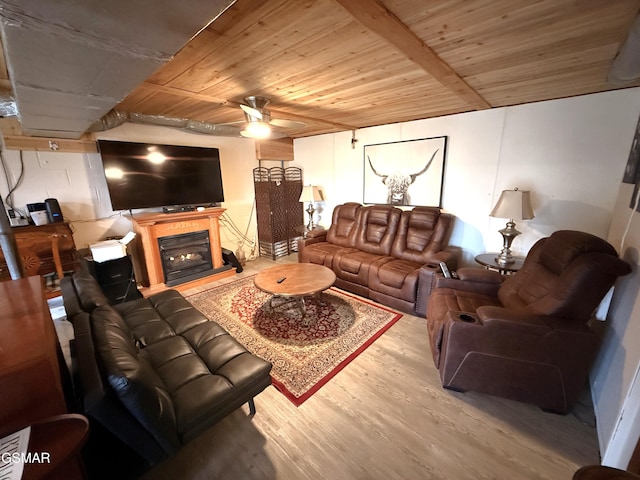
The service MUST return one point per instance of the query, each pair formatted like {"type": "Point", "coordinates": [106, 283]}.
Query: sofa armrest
{"type": "Point", "coordinates": [480, 275]}
{"type": "Point", "coordinates": [318, 233]}
{"type": "Point", "coordinates": [313, 236]}
{"type": "Point", "coordinates": [426, 282]}
{"type": "Point", "coordinates": [446, 256]}
{"type": "Point", "coordinates": [514, 320]}
{"type": "Point", "coordinates": [485, 282]}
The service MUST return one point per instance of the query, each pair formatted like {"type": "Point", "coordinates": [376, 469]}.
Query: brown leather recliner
{"type": "Point", "coordinates": [527, 336]}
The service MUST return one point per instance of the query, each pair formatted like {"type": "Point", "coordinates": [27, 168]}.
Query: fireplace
{"type": "Point", "coordinates": [172, 258]}
{"type": "Point", "coordinates": [185, 257]}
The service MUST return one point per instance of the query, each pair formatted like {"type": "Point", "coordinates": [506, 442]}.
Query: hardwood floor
{"type": "Point", "coordinates": [386, 416]}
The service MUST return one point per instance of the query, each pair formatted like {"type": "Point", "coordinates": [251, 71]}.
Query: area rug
{"type": "Point", "coordinates": [305, 353]}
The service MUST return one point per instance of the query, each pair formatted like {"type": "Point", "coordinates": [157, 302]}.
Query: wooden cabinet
{"type": "Point", "coordinates": [278, 209]}
{"type": "Point", "coordinates": [33, 379]}
{"type": "Point", "coordinates": [38, 247]}
{"type": "Point", "coordinates": [279, 150]}
{"type": "Point", "coordinates": [30, 374]}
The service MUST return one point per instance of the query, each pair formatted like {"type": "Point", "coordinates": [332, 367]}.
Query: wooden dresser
{"type": "Point", "coordinates": [38, 247]}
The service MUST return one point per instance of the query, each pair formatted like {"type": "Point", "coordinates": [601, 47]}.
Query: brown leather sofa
{"type": "Point", "coordinates": [155, 372]}
{"type": "Point", "coordinates": [383, 253]}
{"type": "Point", "coordinates": [527, 336]}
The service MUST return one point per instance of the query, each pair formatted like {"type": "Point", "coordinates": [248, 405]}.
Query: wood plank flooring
{"type": "Point", "coordinates": [386, 416]}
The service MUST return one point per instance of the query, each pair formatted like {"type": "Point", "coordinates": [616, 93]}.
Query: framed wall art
{"type": "Point", "coordinates": [632, 169]}
{"type": "Point", "coordinates": [406, 173]}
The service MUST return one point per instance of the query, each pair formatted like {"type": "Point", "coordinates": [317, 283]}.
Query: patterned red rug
{"type": "Point", "coordinates": [305, 355]}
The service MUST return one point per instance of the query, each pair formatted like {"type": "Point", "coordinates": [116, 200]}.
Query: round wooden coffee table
{"type": "Point", "coordinates": [292, 282]}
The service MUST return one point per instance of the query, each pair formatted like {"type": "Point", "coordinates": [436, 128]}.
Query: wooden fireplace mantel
{"type": "Point", "coordinates": [153, 225]}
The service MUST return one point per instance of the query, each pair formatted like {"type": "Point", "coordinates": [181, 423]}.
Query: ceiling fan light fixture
{"type": "Point", "coordinates": [256, 129]}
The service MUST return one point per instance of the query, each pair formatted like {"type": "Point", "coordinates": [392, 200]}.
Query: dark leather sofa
{"type": "Point", "coordinates": [528, 336]}
{"type": "Point", "coordinates": [382, 252]}
{"type": "Point", "coordinates": [155, 372]}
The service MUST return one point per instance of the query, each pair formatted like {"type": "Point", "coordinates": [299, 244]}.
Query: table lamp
{"type": "Point", "coordinates": [311, 194]}
{"type": "Point", "coordinates": [515, 205]}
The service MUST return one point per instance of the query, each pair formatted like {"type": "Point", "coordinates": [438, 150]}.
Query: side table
{"type": "Point", "coordinates": [116, 277]}
{"type": "Point", "coordinates": [488, 260]}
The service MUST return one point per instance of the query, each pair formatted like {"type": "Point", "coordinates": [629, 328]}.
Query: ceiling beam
{"type": "Point", "coordinates": [154, 87]}
{"type": "Point", "coordinates": [378, 19]}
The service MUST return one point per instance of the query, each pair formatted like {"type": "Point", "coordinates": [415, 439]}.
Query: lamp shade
{"type": "Point", "coordinates": [513, 204]}
{"type": "Point", "coordinates": [256, 129]}
{"type": "Point", "coordinates": [312, 193]}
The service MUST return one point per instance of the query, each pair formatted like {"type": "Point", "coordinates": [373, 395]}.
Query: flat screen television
{"type": "Point", "coordinates": [142, 175]}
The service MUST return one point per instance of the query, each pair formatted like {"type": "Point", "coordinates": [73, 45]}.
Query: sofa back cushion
{"type": "Point", "coordinates": [422, 233]}
{"type": "Point", "coordinates": [130, 373]}
{"type": "Point", "coordinates": [343, 225]}
{"type": "Point", "coordinates": [565, 275]}
{"type": "Point", "coordinates": [377, 228]}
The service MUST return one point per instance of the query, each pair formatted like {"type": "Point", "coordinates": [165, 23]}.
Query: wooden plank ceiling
{"type": "Point", "coordinates": [345, 64]}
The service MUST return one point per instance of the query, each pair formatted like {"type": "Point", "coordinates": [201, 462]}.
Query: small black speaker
{"type": "Point", "coordinates": [229, 258]}
{"type": "Point", "coordinates": [36, 207]}
{"type": "Point", "coordinates": [53, 210]}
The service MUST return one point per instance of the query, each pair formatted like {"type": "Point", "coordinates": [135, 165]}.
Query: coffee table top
{"type": "Point", "coordinates": [300, 279]}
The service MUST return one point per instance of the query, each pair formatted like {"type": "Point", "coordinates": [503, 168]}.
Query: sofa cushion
{"type": "Point", "coordinates": [132, 377]}
{"type": "Point", "coordinates": [397, 278]}
{"type": "Point", "coordinates": [343, 225]}
{"type": "Point", "coordinates": [572, 292]}
{"type": "Point", "coordinates": [377, 227]}
{"type": "Point", "coordinates": [203, 370]}
{"type": "Point", "coordinates": [422, 234]}
{"type": "Point", "coordinates": [564, 246]}
{"type": "Point", "coordinates": [322, 253]}
{"type": "Point", "coordinates": [159, 316]}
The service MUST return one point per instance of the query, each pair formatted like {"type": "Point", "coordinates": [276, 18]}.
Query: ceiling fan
{"type": "Point", "coordinates": [259, 119]}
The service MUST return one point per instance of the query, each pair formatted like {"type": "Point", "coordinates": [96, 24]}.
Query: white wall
{"type": "Point", "coordinates": [77, 181]}
{"type": "Point", "coordinates": [615, 385]}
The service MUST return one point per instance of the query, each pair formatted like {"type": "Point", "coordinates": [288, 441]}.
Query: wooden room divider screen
{"type": "Point", "coordinates": [278, 209]}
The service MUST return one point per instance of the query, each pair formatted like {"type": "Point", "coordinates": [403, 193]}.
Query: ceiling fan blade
{"type": "Point", "coordinates": [280, 122]}
{"type": "Point", "coordinates": [277, 135]}
{"type": "Point", "coordinates": [254, 112]}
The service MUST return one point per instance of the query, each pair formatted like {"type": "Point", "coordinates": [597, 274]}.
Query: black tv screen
{"type": "Point", "coordinates": [142, 175]}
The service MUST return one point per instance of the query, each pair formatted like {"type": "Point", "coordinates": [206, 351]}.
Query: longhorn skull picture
{"type": "Point", "coordinates": [396, 168]}
{"type": "Point", "coordinates": [398, 183]}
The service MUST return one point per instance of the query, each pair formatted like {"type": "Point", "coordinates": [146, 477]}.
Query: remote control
{"type": "Point", "coordinates": [445, 270]}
